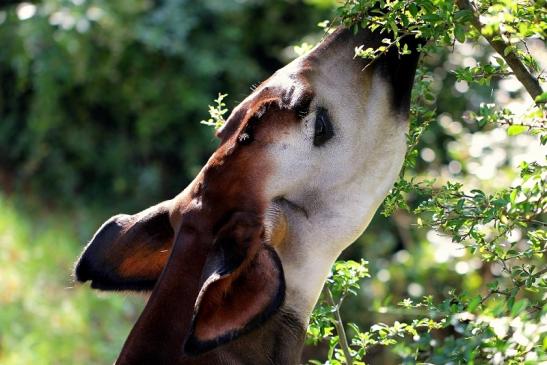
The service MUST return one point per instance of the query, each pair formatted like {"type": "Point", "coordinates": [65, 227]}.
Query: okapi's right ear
{"type": "Point", "coordinates": [128, 252]}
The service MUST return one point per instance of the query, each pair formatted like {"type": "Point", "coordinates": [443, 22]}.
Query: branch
{"type": "Point", "coordinates": [339, 324]}
{"type": "Point", "coordinates": [540, 273]}
{"type": "Point", "coordinates": [521, 72]}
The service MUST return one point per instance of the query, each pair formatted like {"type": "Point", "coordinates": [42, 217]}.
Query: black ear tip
{"type": "Point", "coordinates": [194, 347]}
{"type": "Point", "coordinates": [85, 271]}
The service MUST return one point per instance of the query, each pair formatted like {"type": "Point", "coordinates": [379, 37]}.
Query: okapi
{"type": "Point", "coordinates": [236, 262]}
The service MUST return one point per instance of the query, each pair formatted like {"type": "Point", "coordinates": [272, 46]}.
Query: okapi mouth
{"type": "Point", "coordinates": [276, 220]}
{"type": "Point", "coordinates": [290, 205]}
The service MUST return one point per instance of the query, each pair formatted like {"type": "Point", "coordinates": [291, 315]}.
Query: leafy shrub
{"type": "Point", "coordinates": [503, 320]}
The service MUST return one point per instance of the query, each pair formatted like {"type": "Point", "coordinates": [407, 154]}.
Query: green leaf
{"type": "Point", "coordinates": [463, 15]}
{"type": "Point", "coordinates": [519, 306]}
{"type": "Point", "coordinates": [515, 130]}
{"type": "Point", "coordinates": [459, 33]}
{"type": "Point", "coordinates": [474, 303]}
{"type": "Point", "coordinates": [413, 9]}
{"type": "Point", "coordinates": [508, 50]}
{"type": "Point", "coordinates": [541, 98]}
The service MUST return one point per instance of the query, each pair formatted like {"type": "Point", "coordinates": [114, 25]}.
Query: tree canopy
{"type": "Point", "coordinates": [499, 220]}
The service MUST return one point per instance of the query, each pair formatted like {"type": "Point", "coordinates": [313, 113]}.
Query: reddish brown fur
{"type": "Point", "coordinates": [240, 288]}
{"type": "Point", "coordinates": [231, 181]}
{"type": "Point", "coordinates": [144, 262]}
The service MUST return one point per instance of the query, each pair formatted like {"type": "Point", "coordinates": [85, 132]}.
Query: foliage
{"type": "Point", "coordinates": [216, 113]}
{"type": "Point", "coordinates": [123, 83]}
{"type": "Point", "coordinates": [504, 320]}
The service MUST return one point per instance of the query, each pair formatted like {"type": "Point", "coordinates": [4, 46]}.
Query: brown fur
{"type": "Point", "coordinates": [145, 262]}
{"type": "Point", "coordinates": [230, 181]}
{"type": "Point", "coordinates": [232, 302]}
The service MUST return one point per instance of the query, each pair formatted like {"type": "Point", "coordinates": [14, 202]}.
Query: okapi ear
{"type": "Point", "coordinates": [128, 252]}
{"type": "Point", "coordinates": [243, 286]}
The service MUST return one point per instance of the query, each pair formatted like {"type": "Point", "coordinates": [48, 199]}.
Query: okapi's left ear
{"type": "Point", "coordinates": [243, 286]}
{"type": "Point", "coordinates": [128, 252]}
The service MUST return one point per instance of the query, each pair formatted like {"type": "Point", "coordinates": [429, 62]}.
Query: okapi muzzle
{"type": "Point", "coordinates": [236, 262]}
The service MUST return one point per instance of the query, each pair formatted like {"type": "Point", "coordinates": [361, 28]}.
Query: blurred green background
{"type": "Point", "coordinates": [100, 103]}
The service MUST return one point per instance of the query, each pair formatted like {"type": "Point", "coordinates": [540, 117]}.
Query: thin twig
{"type": "Point", "coordinates": [540, 273]}
{"type": "Point", "coordinates": [339, 324]}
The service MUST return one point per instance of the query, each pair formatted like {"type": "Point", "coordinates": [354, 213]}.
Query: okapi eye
{"type": "Point", "coordinates": [323, 127]}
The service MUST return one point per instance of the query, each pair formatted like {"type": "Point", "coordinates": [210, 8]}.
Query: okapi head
{"type": "Point", "coordinates": [237, 260]}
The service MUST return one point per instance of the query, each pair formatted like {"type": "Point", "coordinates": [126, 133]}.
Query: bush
{"type": "Point", "coordinates": [500, 315]}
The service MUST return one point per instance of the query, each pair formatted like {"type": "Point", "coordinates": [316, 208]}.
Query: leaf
{"type": "Point", "coordinates": [513, 196]}
{"type": "Point", "coordinates": [463, 15]}
{"type": "Point", "coordinates": [459, 33]}
{"type": "Point", "coordinates": [474, 303]}
{"type": "Point", "coordinates": [541, 98]}
{"type": "Point", "coordinates": [515, 130]}
{"type": "Point", "coordinates": [413, 9]}
{"type": "Point", "coordinates": [508, 50]}
{"type": "Point", "coordinates": [519, 306]}
{"type": "Point", "coordinates": [499, 60]}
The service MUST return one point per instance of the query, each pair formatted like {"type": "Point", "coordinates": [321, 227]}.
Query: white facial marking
{"type": "Point", "coordinates": [339, 184]}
